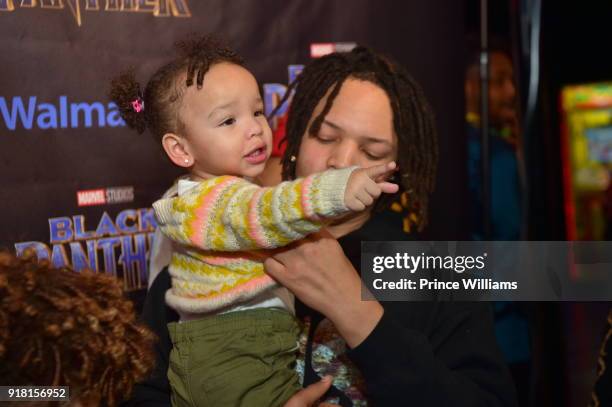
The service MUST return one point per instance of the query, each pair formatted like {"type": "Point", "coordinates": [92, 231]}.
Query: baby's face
{"type": "Point", "coordinates": [226, 131]}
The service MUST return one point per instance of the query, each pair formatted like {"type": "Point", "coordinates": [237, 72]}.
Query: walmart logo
{"type": "Point", "coordinates": [29, 113]}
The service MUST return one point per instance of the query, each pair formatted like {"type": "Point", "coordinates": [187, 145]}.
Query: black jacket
{"type": "Point", "coordinates": [419, 354]}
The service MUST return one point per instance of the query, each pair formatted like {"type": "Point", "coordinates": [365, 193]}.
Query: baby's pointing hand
{"type": "Point", "coordinates": [366, 184]}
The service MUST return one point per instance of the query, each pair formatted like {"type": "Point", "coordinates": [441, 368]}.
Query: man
{"type": "Point", "coordinates": [511, 325]}
{"type": "Point", "coordinates": [505, 185]}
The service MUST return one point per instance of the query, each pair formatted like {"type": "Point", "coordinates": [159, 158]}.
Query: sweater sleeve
{"type": "Point", "coordinates": [231, 214]}
{"type": "Point", "coordinates": [458, 364]}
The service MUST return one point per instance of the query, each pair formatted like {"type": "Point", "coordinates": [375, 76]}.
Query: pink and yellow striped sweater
{"type": "Point", "coordinates": [217, 225]}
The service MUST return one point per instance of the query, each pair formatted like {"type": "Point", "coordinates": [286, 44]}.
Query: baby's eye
{"type": "Point", "coordinates": [228, 122]}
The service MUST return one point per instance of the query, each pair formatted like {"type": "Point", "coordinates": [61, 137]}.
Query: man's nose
{"type": "Point", "coordinates": [342, 156]}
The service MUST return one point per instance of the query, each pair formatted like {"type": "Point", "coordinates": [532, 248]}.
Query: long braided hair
{"type": "Point", "coordinates": [63, 328]}
{"type": "Point", "coordinates": [413, 120]}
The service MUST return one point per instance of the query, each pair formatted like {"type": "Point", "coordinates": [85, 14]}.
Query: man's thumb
{"type": "Point", "coordinates": [316, 390]}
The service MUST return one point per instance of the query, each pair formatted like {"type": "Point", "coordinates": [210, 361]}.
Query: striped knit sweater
{"type": "Point", "coordinates": [219, 225]}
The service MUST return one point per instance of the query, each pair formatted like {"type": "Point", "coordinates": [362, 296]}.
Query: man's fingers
{"type": "Point", "coordinates": [323, 233]}
{"type": "Point", "coordinates": [308, 396]}
{"type": "Point", "coordinates": [263, 254]}
{"type": "Point", "coordinates": [274, 269]}
{"type": "Point", "coordinates": [378, 170]}
{"type": "Point", "coordinates": [316, 390]}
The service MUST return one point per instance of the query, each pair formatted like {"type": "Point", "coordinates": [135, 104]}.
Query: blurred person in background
{"type": "Point", "coordinates": [511, 324]}
{"type": "Point", "coordinates": [63, 328]}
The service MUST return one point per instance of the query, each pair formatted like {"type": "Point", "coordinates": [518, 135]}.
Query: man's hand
{"type": "Point", "coordinates": [310, 395]}
{"type": "Point", "coordinates": [316, 270]}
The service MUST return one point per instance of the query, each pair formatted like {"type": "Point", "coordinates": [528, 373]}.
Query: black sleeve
{"type": "Point", "coordinates": [602, 393]}
{"type": "Point", "coordinates": [155, 391]}
{"type": "Point", "coordinates": [452, 361]}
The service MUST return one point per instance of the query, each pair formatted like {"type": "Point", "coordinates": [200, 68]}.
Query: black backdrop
{"type": "Point", "coordinates": [56, 61]}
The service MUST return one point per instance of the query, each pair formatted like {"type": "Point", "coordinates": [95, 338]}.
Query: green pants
{"type": "Point", "coordinates": [244, 358]}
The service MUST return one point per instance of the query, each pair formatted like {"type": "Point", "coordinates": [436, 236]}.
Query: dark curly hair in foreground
{"type": "Point", "coordinates": [163, 93]}
{"type": "Point", "coordinates": [413, 119]}
{"type": "Point", "coordinates": [63, 328]}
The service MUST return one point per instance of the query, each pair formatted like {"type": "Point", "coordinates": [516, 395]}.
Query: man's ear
{"type": "Point", "coordinates": [177, 149]}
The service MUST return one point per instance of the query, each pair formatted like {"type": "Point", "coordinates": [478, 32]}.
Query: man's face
{"type": "Point", "coordinates": [502, 91]}
{"type": "Point", "coordinates": [357, 130]}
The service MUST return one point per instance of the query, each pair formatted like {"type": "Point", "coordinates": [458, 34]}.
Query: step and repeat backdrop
{"type": "Point", "coordinates": [77, 185]}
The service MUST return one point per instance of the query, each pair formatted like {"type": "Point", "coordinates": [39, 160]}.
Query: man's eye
{"type": "Point", "coordinates": [259, 113]}
{"type": "Point", "coordinates": [324, 140]}
{"type": "Point", "coordinates": [372, 156]}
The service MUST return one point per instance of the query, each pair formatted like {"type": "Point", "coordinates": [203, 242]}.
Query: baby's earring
{"type": "Point", "coordinates": [186, 160]}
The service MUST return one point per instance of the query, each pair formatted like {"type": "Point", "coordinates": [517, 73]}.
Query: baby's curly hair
{"type": "Point", "coordinates": [63, 328]}
{"type": "Point", "coordinates": [163, 93]}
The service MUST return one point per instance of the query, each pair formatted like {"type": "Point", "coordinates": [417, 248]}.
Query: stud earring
{"type": "Point", "coordinates": [186, 161]}
{"type": "Point", "coordinates": [292, 158]}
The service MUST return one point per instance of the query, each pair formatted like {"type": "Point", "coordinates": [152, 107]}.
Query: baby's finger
{"type": "Point", "coordinates": [387, 175]}
{"type": "Point", "coordinates": [388, 187]}
{"type": "Point", "coordinates": [373, 189]}
{"type": "Point", "coordinates": [365, 198]}
{"type": "Point", "coordinates": [355, 205]}
{"type": "Point", "coordinates": [378, 170]}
